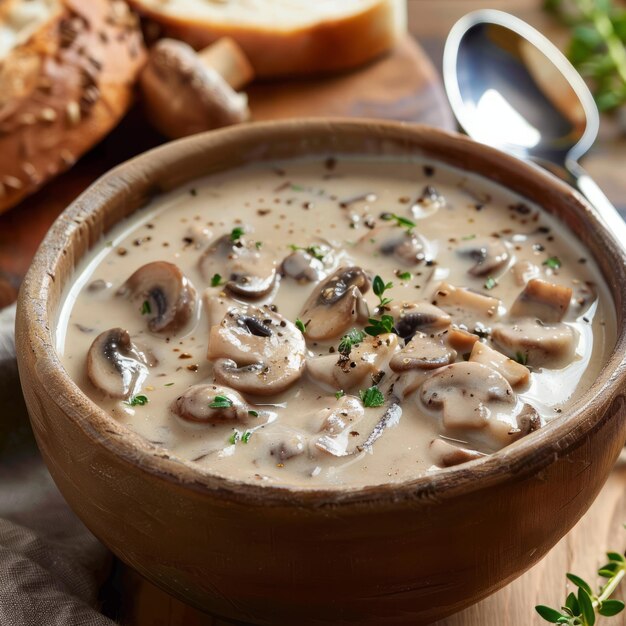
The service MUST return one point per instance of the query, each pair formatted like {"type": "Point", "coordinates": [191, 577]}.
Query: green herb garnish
{"type": "Point", "coordinates": [168, 384]}
{"type": "Point", "coordinates": [348, 341]}
{"type": "Point", "coordinates": [137, 400]}
{"type": "Point", "coordinates": [403, 222]}
{"type": "Point", "coordinates": [146, 309]}
{"type": "Point", "coordinates": [221, 402]}
{"type": "Point", "coordinates": [490, 283]}
{"type": "Point", "coordinates": [521, 357]}
{"type": "Point", "coordinates": [372, 397]}
{"type": "Point", "coordinates": [314, 251]}
{"type": "Point", "coordinates": [258, 244]}
{"type": "Point", "coordinates": [234, 438]}
{"type": "Point", "coordinates": [468, 237]}
{"type": "Point", "coordinates": [582, 608]}
{"type": "Point", "coordinates": [380, 286]}
{"type": "Point", "coordinates": [553, 262]}
{"type": "Point", "coordinates": [379, 326]}
{"type": "Point", "coordinates": [405, 276]}
{"type": "Point", "coordinates": [236, 233]}
{"type": "Point", "coordinates": [340, 394]}
{"type": "Point", "coordinates": [300, 325]}
{"type": "Point", "coordinates": [216, 280]}
{"type": "Point", "coordinates": [253, 413]}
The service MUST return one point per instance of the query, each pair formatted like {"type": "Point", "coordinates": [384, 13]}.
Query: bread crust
{"type": "Point", "coordinates": [63, 90]}
{"type": "Point", "coordinates": [324, 47]}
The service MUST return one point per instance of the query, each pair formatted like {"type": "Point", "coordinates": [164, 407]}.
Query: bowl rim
{"type": "Point", "coordinates": [528, 455]}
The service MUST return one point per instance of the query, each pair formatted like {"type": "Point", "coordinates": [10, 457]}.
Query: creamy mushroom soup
{"type": "Point", "coordinates": [337, 321]}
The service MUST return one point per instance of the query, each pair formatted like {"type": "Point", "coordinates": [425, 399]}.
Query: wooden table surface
{"type": "Point", "coordinates": [138, 603]}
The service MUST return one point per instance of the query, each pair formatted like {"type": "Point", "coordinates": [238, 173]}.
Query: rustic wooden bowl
{"type": "Point", "coordinates": [407, 554]}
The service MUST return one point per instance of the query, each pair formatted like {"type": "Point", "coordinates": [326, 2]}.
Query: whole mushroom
{"type": "Point", "coordinates": [167, 297]}
{"type": "Point", "coordinates": [336, 304]}
{"type": "Point", "coordinates": [115, 365]}
{"type": "Point", "coordinates": [185, 92]}
{"type": "Point", "coordinates": [255, 350]}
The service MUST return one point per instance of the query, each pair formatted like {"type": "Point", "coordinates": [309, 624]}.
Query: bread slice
{"type": "Point", "coordinates": [67, 70]}
{"type": "Point", "coordinates": [286, 37]}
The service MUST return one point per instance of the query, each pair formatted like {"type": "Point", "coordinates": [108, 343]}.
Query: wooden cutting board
{"type": "Point", "coordinates": [400, 86]}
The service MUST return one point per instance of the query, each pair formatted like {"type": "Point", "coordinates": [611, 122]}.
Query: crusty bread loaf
{"type": "Point", "coordinates": [286, 37]}
{"type": "Point", "coordinates": [67, 71]}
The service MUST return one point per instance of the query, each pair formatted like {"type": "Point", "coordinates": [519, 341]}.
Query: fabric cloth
{"type": "Point", "coordinates": [51, 566]}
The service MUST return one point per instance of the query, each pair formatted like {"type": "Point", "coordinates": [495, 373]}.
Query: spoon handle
{"type": "Point", "coordinates": [598, 200]}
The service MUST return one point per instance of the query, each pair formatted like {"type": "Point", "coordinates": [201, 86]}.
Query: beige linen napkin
{"type": "Point", "coordinates": [51, 566]}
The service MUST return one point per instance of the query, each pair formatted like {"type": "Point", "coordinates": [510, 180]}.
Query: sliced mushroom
{"type": "Point", "coordinates": [248, 269]}
{"type": "Point", "coordinates": [256, 350]}
{"type": "Point", "coordinates": [216, 306]}
{"type": "Point", "coordinates": [367, 363]}
{"type": "Point", "coordinates": [468, 395]}
{"type": "Point", "coordinates": [337, 304]}
{"type": "Point", "coordinates": [170, 296]}
{"type": "Point", "coordinates": [407, 248]}
{"type": "Point", "coordinates": [211, 404]}
{"type": "Point", "coordinates": [490, 256]}
{"type": "Point", "coordinates": [302, 266]}
{"type": "Point", "coordinates": [461, 340]}
{"type": "Point", "coordinates": [542, 300]}
{"type": "Point", "coordinates": [447, 455]}
{"type": "Point", "coordinates": [117, 366]}
{"type": "Point", "coordinates": [422, 352]}
{"type": "Point", "coordinates": [528, 421]}
{"type": "Point", "coordinates": [514, 372]}
{"type": "Point", "coordinates": [336, 423]}
{"type": "Point", "coordinates": [531, 342]}
{"type": "Point", "coordinates": [523, 271]}
{"type": "Point", "coordinates": [466, 306]}
{"type": "Point", "coordinates": [411, 317]}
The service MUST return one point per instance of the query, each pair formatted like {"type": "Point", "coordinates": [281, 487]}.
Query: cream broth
{"type": "Point", "coordinates": [266, 251]}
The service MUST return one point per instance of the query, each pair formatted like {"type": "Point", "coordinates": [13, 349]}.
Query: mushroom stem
{"type": "Point", "coordinates": [226, 57]}
{"type": "Point", "coordinates": [389, 418]}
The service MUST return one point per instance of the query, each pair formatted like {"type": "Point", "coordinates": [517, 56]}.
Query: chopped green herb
{"type": "Point", "coordinates": [340, 394]}
{"type": "Point", "coordinates": [315, 251]}
{"type": "Point", "coordinates": [246, 436]}
{"type": "Point", "coordinates": [216, 280]}
{"type": "Point", "coordinates": [300, 325]}
{"type": "Point", "coordinates": [238, 436]}
{"type": "Point", "coordinates": [400, 221]}
{"type": "Point", "coordinates": [168, 384]}
{"type": "Point", "coordinates": [553, 262]}
{"type": "Point", "coordinates": [109, 244]}
{"type": "Point", "coordinates": [234, 438]}
{"type": "Point", "coordinates": [405, 276]}
{"type": "Point", "coordinates": [137, 401]}
{"type": "Point", "coordinates": [490, 283]}
{"type": "Point", "coordinates": [381, 326]}
{"type": "Point", "coordinates": [221, 402]}
{"type": "Point", "coordinates": [468, 237]}
{"type": "Point", "coordinates": [146, 309]}
{"type": "Point", "coordinates": [380, 286]}
{"type": "Point", "coordinates": [372, 397]}
{"type": "Point", "coordinates": [258, 244]}
{"type": "Point", "coordinates": [353, 338]}
{"type": "Point", "coordinates": [521, 357]}
{"type": "Point", "coordinates": [236, 233]}
{"type": "Point", "coordinates": [253, 413]}
{"type": "Point", "coordinates": [296, 188]}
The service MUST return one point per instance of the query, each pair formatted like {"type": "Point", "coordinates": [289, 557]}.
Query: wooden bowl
{"type": "Point", "coordinates": [404, 554]}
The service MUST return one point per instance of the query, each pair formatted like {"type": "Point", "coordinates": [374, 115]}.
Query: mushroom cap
{"type": "Point", "coordinates": [183, 96]}
{"type": "Point", "coordinates": [467, 394]}
{"type": "Point", "coordinates": [422, 352]}
{"type": "Point", "coordinates": [170, 294]}
{"type": "Point", "coordinates": [490, 255]}
{"type": "Point", "coordinates": [195, 405]}
{"type": "Point", "coordinates": [249, 270]}
{"type": "Point", "coordinates": [552, 346]}
{"type": "Point", "coordinates": [256, 350]}
{"type": "Point", "coordinates": [367, 362]}
{"type": "Point", "coordinates": [408, 248]}
{"type": "Point", "coordinates": [410, 317]}
{"type": "Point", "coordinates": [542, 300]}
{"type": "Point", "coordinates": [115, 365]}
{"type": "Point", "coordinates": [337, 304]}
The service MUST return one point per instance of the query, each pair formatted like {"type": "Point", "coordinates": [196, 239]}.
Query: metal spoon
{"type": "Point", "coordinates": [511, 88]}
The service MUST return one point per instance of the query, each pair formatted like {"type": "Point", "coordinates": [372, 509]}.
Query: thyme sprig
{"type": "Point", "coordinates": [583, 607]}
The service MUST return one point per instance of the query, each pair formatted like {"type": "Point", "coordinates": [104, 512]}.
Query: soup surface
{"type": "Point", "coordinates": [336, 322]}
